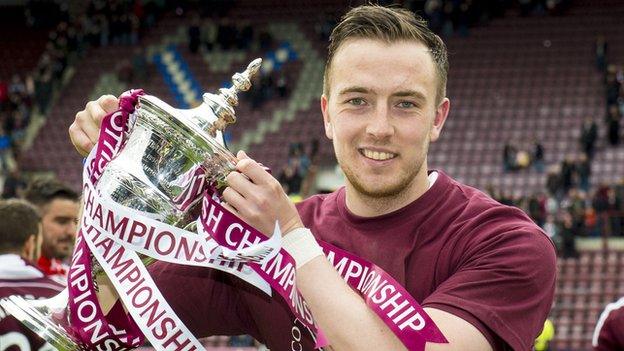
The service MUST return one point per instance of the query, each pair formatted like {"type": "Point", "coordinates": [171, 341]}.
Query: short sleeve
{"type": "Point", "coordinates": [608, 335]}
{"type": "Point", "coordinates": [204, 299]}
{"type": "Point", "coordinates": [503, 284]}
{"type": "Point", "coordinates": [606, 339]}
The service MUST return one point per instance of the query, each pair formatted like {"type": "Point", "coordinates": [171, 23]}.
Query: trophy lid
{"type": "Point", "coordinates": [210, 118]}
{"type": "Point", "coordinates": [223, 103]}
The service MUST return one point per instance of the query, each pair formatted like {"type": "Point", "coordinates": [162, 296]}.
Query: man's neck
{"type": "Point", "coordinates": [370, 206]}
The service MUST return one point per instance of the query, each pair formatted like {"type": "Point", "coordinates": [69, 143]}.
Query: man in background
{"type": "Point", "coordinates": [58, 205]}
{"type": "Point", "coordinates": [609, 332]}
{"type": "Point", "coordinates": [20, 243]}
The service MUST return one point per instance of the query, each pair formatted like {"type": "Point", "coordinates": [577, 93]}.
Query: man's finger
{"type": "Point", "coordinates": [240, 155]}
{"type": "Point", "coordinates": [109, 103]}
{"type": "Point", "coordinates": [96, 111]}
{"type": "Point", "coordinates": [105, 105]}
{"type": "Point", "coordinates": [242, 184]}
{"type": "Point", "coordinates": [254, 171]}
{"type": "Point", "coordinates": [234, 200]}
{"type": "Point", "coordinates": [85, 123]}
{"type": "Point", "coordinates": [230, 209]}
{"type": "Point", "coordinates": [81, 141]}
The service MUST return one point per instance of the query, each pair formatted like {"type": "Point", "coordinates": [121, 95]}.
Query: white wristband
{"type": "Point", "coordinates": [301, 245]}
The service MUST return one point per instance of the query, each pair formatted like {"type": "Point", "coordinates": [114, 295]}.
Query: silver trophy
{"type": "Point", "coordinates": [168, 159]}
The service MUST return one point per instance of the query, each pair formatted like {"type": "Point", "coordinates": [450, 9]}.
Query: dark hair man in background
{"type": "Point", "coordinates": [58, 205]}
{"type": "Point", "coordinates": [484, 272]}
{"type": "Point", "coordinates": [20, 243]}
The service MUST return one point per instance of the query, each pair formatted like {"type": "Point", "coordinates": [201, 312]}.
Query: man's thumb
{"type": "Point", "coordinates": [241, 155]}
{"type": "Point", "coordinates": [109, 103]}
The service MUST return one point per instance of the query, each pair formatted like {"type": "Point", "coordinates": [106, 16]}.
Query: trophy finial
{"type": "Point", "coordinates": [224, 102]}
{"type": "Point", "coordinates": [254, 66]}
{"type": "Point", "coordinates": [241, 82]}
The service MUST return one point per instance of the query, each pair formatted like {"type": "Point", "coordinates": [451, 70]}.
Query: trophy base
{"type": "Point", "coordinates": [27, 312]}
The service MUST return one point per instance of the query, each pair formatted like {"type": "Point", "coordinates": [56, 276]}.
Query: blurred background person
{"type": "Point", "coordinates": [20, 244]}
{"type": "Point", "coordinates": [58, 205]}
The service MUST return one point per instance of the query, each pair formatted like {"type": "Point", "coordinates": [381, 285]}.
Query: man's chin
{"type": "Point", "coordinates": [376, 190]}
{"type": "Point", "coordinates": [63, 254]}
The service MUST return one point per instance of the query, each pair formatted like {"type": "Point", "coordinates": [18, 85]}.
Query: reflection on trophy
{"type": "Point", "coordinates": [162, 170]}
{"type": "Point", "coordinates": [172, 153]}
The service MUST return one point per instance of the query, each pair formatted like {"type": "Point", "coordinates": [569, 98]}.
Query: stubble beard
{"type": "Point", "coordinates": [54, 251]}
{"type": "Point", "coordinates": [384, 197]}
{"type": "Point", "coordinates": [386, 193]}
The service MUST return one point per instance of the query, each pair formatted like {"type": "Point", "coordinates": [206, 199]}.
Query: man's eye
{"type": "Point", "coordinates": [356, 102]}
{"type": "Point", "coordinates": [406, 104]}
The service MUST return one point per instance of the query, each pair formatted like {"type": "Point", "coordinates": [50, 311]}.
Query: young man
{"type": "Point", "coordinates": [609, 332]}
{"type": "Point", "coordinates": [58, 205]}
{"type": "Point", "coordinates": [20, 243]}
{"type": "Point", "coordinates": [483, 271]}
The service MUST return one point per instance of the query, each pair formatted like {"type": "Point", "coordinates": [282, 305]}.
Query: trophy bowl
{"type": "Point", "coordinates": [163, 167]}
{"type": "Point", "coordinates": [171, 154]}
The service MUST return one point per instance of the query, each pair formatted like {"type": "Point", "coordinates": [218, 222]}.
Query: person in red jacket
{"type": "Point", "coordinates": [58, 205]}
{"type": "Point", "coordinates": [20, 243]}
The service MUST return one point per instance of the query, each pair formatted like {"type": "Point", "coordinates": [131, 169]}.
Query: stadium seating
{"type": "Point", "coordinates": [52, 150]}
{"type": "Point", "coordinates": [524, 78]}
{"type": "Point", "coordinates": [22, 49]}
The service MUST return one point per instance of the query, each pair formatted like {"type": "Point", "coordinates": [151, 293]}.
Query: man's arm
{"type": "Point", "coordinates": [343, 316]}
{"type": "Point", "coordinates": [460, 334]}
{"type": "Point", "coordinates": [255, 196]}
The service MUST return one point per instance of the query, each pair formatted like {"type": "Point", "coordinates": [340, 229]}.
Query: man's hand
{"type": "Point", "coordinates": [85, 130]}
{"type": "Point", "coordinates": [258, 198]}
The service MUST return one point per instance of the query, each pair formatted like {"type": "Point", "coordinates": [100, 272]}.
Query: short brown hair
{"type": "Point", "coordinates": [388, 25]}
{"type": "Point", "coordinates": [41, 191]}
{"type": "Point", "coordinates": [18, 221]}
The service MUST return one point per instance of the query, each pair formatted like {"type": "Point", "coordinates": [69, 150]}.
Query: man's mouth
{"type": "Point", "coordinates": [377, 155]}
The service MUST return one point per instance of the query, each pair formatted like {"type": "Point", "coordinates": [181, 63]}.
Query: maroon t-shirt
{"type": "Point", "coordinates": [454, 249]}
{"type": "Point", "coordinates": [609, 333]}
{"type": "Point", "coordinates": [18, 277]}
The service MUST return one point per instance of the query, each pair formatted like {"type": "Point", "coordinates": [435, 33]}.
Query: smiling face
{"type": "Point", "coordinates": [59, 228]}
{"type": "Point", "coordinates": [381, 114]}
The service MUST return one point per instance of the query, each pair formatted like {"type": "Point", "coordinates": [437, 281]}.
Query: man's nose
{"type": "Point", "coordinates": [380, 125]}
{"type": "Point", "coordinates": [71, 228]}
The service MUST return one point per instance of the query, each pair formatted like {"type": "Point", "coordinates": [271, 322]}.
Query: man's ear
{"type": "Point", "coordinates": [329, 131]}
{"type": "Point", "coordinates": [30, 247]}
{"type": "Point", "coordinates": [441, 113]}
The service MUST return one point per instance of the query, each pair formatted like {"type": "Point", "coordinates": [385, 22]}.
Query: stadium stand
{"type": "Point", "coordinates": [19, 53]}
{"type": "Point", "coordinates": [517, 79]}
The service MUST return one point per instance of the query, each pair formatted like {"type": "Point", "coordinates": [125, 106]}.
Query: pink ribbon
{"type": "Point", "coordinates": [384, 295]}
{"type": "Point", "coordinates": [87, 319]}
